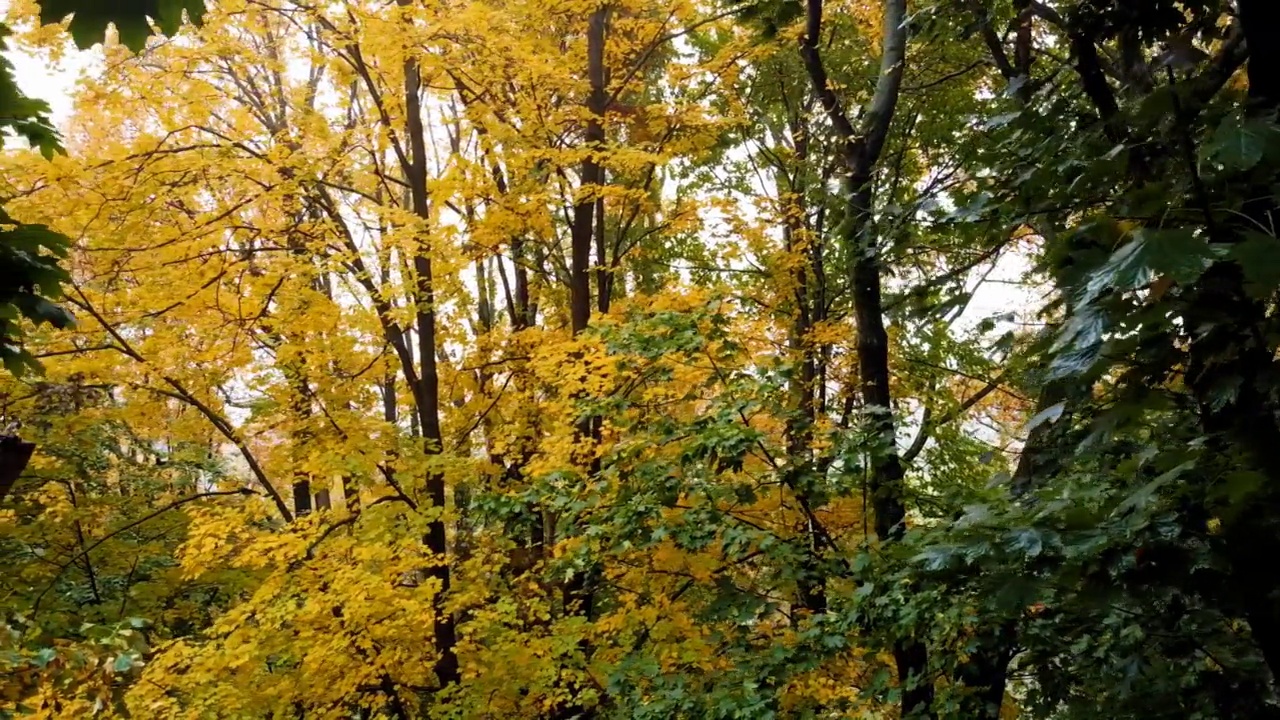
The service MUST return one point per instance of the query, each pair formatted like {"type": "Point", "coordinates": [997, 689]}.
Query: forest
{"type": "Point", "coordinates": [641, 359]}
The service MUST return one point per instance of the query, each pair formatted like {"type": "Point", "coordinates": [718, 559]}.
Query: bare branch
{"type": "Point", "coordinates": [928, 425]}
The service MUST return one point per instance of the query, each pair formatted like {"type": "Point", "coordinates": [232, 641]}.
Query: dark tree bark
{"type": "Point", "coordinates": [861, 151]}
{"type": "Point", "coordinates": [583, 230]}
{"type": "Point", "coordinates": [1235, 346]}
{"type": "Point", "coordinates": [427, 391]}
{"type": "Point", "coordinates": [578, 593]}
{"type": "Point", "coordinates": [14, 456]}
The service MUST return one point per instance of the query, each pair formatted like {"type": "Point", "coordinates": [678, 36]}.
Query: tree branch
{"type": "Point", "coordinates": [928, 425]}
{"type": "Point", "coordinates": [817, 71]}
{"type": "Point", "coordinates": [879, 114]}
{"type": "Point", "coordinates": [129, 526]}
{"type": "Point", "coordinates": [181, 393]}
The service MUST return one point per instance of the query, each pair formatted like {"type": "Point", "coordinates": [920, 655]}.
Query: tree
{"type": "Point", "coordinates": [29, 253]}
{"type": "Point", "coordinates": [630, 360]}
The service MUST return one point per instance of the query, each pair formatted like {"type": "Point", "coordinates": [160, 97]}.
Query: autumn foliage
{"type": "Point", "coordinates": [508, 359]}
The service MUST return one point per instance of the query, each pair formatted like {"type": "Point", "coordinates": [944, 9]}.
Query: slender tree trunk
{"type": "Point", "coordinates": [578, 593]}
{"type": "Point", "coordinates": [301, 440]}
{"type": "Point", "coordinates": [887, 475]}
{"type": "Point", "coordinates": [427, 393]}
{"type": "Point", "coordinates": [604, 278]}
{"type": "Point", "coordinates": [862, 148]}
{"type": "Point", "coordinates": [583, 229]}
{"type": "Point", "coordinates": [812, 582]}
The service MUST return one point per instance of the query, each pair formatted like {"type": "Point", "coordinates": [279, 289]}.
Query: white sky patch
{"type": "Point", "coordinates": [42, 79]}
{"type": "Point", "coordinates": [54, 84]}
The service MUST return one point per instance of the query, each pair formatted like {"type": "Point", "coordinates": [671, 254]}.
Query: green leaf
{"type": "Point", "coordinates": [45, 656]}
{"type": "Point", "coordinates": [1147, 493]}
{"type": "Point", "coordinates": [131, 18]}
{"type": "Point", "coordinates": [17, 361]}
{"type": "Point", "coordinates": [937, 557]}
{"type": "Point", "coordinates": [1259, 257]}
{"type": "Point", "coordinates": [1179, 253]}
{"type": "Point", "coordinates": [133, 31]}
{"type": "Point", "coordinates": [1028, 540]}
{"type": "Point", "coordinates": [1078, 344]}
{"type": "Point", "coordinates": [1239, 144]}
{"type": "Point", "coordinates": [1239, 485]}
{"type": "Point", "coordinates": [123, 663]}
{"type": "Point", "coordinates": [1124, 270]}
{"type": "Point", "coordinates": [1001, 120]}
{"type": "Point", "coordinates": [1048, 415]}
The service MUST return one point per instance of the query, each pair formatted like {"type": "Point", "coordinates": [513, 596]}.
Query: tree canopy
{"type": "Point", "coordinates": [644, 359]}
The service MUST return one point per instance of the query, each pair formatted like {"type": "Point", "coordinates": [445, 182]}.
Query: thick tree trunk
{"type": "Point", "coordinates": [1236, 346]}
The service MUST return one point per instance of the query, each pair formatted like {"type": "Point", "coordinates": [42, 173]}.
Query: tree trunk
{"type": "Point", "coordinates": [578, 593]}
{"type": "Point", "coordinates": [14, 456]}
{"type": "Point", "coordinates": [1236, 346]}
{"type": "Point", "coordinates": [427, 392]}
{"type": "Point", "coordinates": [862, 148]}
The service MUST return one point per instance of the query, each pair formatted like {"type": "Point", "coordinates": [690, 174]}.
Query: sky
{"type": "Point", "coordinates": [54, 85]}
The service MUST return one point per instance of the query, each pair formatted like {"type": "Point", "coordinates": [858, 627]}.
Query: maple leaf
{"type": "Point", "coordinates": [131, 18]}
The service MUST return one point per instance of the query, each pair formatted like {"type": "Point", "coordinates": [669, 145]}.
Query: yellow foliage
{"type": "Point", "coordinates": [256, 278]}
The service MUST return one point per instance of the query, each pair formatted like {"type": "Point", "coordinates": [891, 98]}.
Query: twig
{"type": "Point", "coordinates": [35, 607]}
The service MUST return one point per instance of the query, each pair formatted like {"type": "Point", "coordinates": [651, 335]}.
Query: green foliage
{"type": "Point", "coordinates": [89, 19]}
{"type": "Point", "coordinates": [76, 669]}
{"type": "Point", "coordinates": [91, 581]}
{"type": "Point", "coordinates": [29, 254]}
{"type": "Point", "coordinates": [26, 117]}
{"type": "Point", "coordinates": [1118, 572]}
